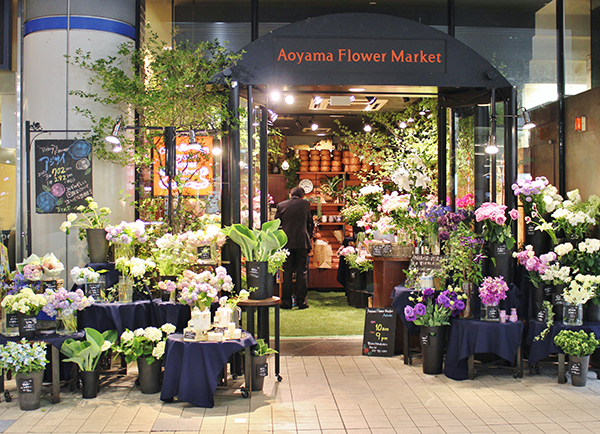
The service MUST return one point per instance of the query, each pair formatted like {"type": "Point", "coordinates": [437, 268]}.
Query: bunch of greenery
{"type": "Point", "coordinates": [463, 259]}
{"type": "Point", "coordinates": [87, 353]}
{"type": "Point", "coordinates": [353, 213]}
{"type": "Point", "coordinates": [262, 348]}
{"type": "Point", "coordinates": [576, 343]}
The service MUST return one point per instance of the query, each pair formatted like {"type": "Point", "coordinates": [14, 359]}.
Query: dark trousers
{"type": "Point", "coordinates": [297, 262]}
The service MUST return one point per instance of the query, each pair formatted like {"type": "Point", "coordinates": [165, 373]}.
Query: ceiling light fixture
{"type": "Point", "coordinates": [313, 125]}
{"type": "Point", "coordinates": [289, 99]}
{"type": "Point", "coordinates": [491, 147]}
{"type": "Point", "coordinates": [367, 128]}
{"type": "Point", "coordinates": [272, 115]}
{"type": "Point", "coordinates": [528, 123]}
{"type": "Point", "coordinates": [317, 99]}
{"type": "Point", "coordinates": [299, 124]}
{"type": "Point", "coordinates": [357, 89]}
{"type": "Point", "coordinates": [275, 96]}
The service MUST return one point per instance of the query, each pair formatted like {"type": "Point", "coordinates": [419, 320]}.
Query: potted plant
{"type": "Point", "coordinates": [259, 247]}
{"type": "Point", "coordinates": [147, 347]}
{"type": "Point", "coordinates": [64, 305]}
{"type": "Point", "coordinates": [26, 304]}
{"type": "Point", "coordinates": [91, 223]}
{"type": "Point", "coordinates": [578, 345]}
{"type": "Point", "coordinates": [432, 312]}
{"type": "Point", "coordinates": [131, 269]}
{"type": "Point", "coordinates": [330, 187]}
{"type": "Point", "coordinates": [580, 290]}
{"type": "Point", "coordinates": [28, 361]}
{"type": "Point", "coordinates": [86, 355]}
{"type": "Point", "coordinates": [259, 364]}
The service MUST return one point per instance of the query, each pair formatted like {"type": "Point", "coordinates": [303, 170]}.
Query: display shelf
{"type": "Point", "coordinates": [323, 173]}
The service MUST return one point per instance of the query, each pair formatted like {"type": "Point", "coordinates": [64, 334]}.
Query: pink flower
{"type": "Point", "coordinates": [514, 214]}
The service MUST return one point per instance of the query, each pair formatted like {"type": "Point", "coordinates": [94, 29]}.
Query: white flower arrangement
{"type": "Point", "coordinates": [590, 245]}
{"type": "Point", "coordinates": [81, 276]}
{"type": "Point", "coordinates": [370, 189]}
{"type": "Point", "coordinates": [563, 249]}
{"type": "Point", "coordinates": [581, 289]}
{"type": "Point", "coordinates": [146, 342]}
{"type": "Point", "coordinates": [557, 274]}
{"type": "Point", "coordinates": [135, 267]}
{"type": "Point", "coordinates": [25, 301]}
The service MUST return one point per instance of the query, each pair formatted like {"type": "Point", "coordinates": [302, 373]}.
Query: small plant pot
{"type": "Point", "coordinates": [578, 367]}
{"type": "Point", "coordinates": [259, 372]}
{"type": "Point", "coordinates": [149, 376]}
{"type": "Point", "coordinates": [29, 386]}
{"type": "Point", "coordinates": [90, 384]}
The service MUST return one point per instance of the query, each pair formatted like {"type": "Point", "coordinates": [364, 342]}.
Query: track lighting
{"type": "Point", "coordinates": [313, 125]}
{"type": "Point", "coordinates": [299, 124]}
{"type": "Point", "coordinates": [491, 147]}
{"type": "Point", "coordinates": [113, 138]}
{"type": "Point", "coordinates": [371, 99]}
{"type": "Point", "coordinates": [289, 99]}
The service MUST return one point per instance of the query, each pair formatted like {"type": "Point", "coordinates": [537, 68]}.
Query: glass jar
{"type": "Point", "coordinates": [490, 312]}
{"type": "Point", "coordinates": [125, 289]}
{"type": "Point", "coordinates": [572, 314]}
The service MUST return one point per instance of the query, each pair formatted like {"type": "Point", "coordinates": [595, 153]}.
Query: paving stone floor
{"type": "Point", "coordinates": [332, 394]}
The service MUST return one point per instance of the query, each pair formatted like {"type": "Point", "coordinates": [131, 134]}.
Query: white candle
{"type": "Point", "coordinates": [237, 334]}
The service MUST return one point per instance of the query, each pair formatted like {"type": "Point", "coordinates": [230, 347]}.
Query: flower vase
{"type": "Point", "coordinates": [201, 319]}
{"type": "Point", "coordinates": [27, 326]}
{"type": "Point", "coordinates": [29, 386]}
{"type": "Point", "coordinates": [578, 368]}
{"type": "Point", "coordinates": [97, 245]}
{"type": "Point", "coordinates": [490, 312]}
{"type": "Point", "coordinates": [557, 301]}
{"type": "Point", "coordinates": [468, 289]}
{"type": "Point", "coordinates": [433, 341]}
{"type": "Point", "coordinates": [66, 324]}
{"type": "Point", "coordinates": [125, 289]}
{"type": "Point", "coordinates": [572, 314]}
{"type": "Point", "coordinates": [149, 375]}
{"type": "Point", "coordinates": [591, 312]}
{"type": "Point", "coordinates": [126, 251]}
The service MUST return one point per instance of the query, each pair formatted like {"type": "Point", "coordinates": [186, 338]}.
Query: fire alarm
{"type": "Point", "coordinates": [580, 123]}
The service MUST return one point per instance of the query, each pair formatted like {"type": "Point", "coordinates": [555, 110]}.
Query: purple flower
{"type": "Point", "coordinates": [428, 292]}
{"type": "Point", "coordinates": [420, 309]}
{"type": "Point", "coordinates": [459, 305]}
{"type": "Point", "coordinates": [409, 313]}
{"type": "Point", "coordinates": [443, 300]}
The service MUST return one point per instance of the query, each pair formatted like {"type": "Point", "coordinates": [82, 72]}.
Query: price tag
{"type": "Point", "coordinates": [262, 370]}
{"type": "Point", "coordinates": [576, 368]}
{"type": "Point", "coordinates": [189, 335]}
{"type": "Point", "coordinates": [572, 312]}
{"type": "Point", "coordinates": [424, 340]}
{"type": "Point", "coordinates": [381, 250]}
{"type": "Point", "coordinates": [541, 316]}
{"type": "Point", "coordinates": [26, 386]}
{"type": "Point", "coordinates": [94, 290]}
{"type": "Point", "coordinates": [501, 249]}
{"type": "Point", "coordinates": [50, 284]}
{"type": "Point", "coordinates": [204, 253]}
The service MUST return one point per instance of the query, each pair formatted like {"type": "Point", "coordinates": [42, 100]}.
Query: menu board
{"type": "Point", "coordinates": [380, 332]}
{"type": "Point", "coordinates": [63, 175]}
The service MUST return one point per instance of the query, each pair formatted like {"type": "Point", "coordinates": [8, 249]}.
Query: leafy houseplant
{"type": "Point", "coordinates": [259, 363]}
{"type": "Point", "coordinates": [87, 353]}
{"type": "Point", "coordinates": [92, 217]}
{"type": "Point", "coordinates": [262, 349]}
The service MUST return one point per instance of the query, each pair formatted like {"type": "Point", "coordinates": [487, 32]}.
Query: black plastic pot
{"type": "Point", "coordinates": [591, 312]}
{"type": "Point", "coordinates": [578, 367]}
{"type": "Point", "coordinates": [149, 375]}
{"type": "Point", "coordinates": [259, 372]}
{"type": "Point", "coordinates": [502, 263]}
{"type": "Point", "coordinates": [433, 340]}
{"type": "Point", "coordinates": [90, 384]}
{"type": "Point", "coordinates": [257, 276]}
{"type": "Point", "coordinates": [97, 245]}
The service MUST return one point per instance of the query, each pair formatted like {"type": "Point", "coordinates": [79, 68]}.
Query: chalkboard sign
{"type": "Point", "coordinates": [63, 175]}
{"type": "Point", "coordinates": [262, 370]}
{"type": "Point", "coordinates": [26, 385]}
{"type": "Point", "coordinates": [424, 265]}
{"type": "Point", "coordinates": [558, 300]}
{"type": "Point", "coordinates": [254, 272]}
{"type": "Point", "coordinates": [12, 320]}
{"type": "Point", "coordinates": [381, 249]}
{"type": "Point", "coordinates": [94, 290]}
{"type": "Point", "coordinates": [204, 253]}
{"type": "Point", "coordinates": [380, 332]}
{"type": "Point", "coordinates": [29, 324]}
{"type": "Point", "coordinates": [425, 340]}
{"type": "Point", "coordinates": [576, 368]}
{"type": "Point", "coordinates": [50, 284]}
{"type": "Point", "coordinates": [493, 313]}
{"type": "Point", "coordinates": [542, 315]}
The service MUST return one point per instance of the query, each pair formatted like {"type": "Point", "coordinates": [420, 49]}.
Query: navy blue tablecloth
{"type": "Point", "coordinates": [116, 316]}
{"type": "Point", "coordinates": [162, 312]}
{"type": "Point", "coordinates": [50, 337]}
{"type": "Point", "coordinates": [192, 368]}
{"type": "Point", "coordinates": [468, 336]}
{"type": "Point", "coordinates": [541, 349]}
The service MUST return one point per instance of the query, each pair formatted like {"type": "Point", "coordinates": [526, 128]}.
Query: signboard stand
{"type": "Point", "coordinates": [380, 332]}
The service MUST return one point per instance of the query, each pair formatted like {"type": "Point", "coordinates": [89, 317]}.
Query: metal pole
{"type": "Point", "coordinates": [442, 168]}
{"type": "Point", "coordinates": [264, 177]}
{"type": "Point", "coordinates": [250, 158]}
{"type": "Point", "coordinates": [560, 83]}
{"type": "Point", "coordinates": [453, 140]}
{"type": "Point", "coordinates": [510, 148]}
{"type": "Point", "coordinates": [493, 156]}
{"type": "Point", "coordinates": [170, 168]}
{"type": "Point", "coordinates": [28, 184]}
{"type": "Point", "coordinates": [254, 20]}
{"type": "Point", "coordinates": [451, 17]}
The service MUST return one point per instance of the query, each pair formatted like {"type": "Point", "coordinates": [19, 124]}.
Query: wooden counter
{"type": "Point", "coordinates": [388, 272]}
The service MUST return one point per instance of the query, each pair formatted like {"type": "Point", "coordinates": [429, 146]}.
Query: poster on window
{"type": "Point", "coordinates": [194, 167]}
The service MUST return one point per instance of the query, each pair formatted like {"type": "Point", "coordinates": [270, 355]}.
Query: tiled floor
{"type": "Point", "coordinates": [333, 394]}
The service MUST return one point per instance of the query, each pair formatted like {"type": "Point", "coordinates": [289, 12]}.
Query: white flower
{"type": "Point", "coordinates": [153, 334]}
{"type": "Point", "coordinates": [93, 205]}
{"type": "Point", "coordinates": [168, 328]}
{"type": "Point", "coordinates": [71, 217]}
{"type": "Point", "coordinates": [127, 336]}
{"type": "Point", "coordinates": [371, 189]}
{"type": "Point", "coordinates": [65, 225]}
{"type": "Point", "coordinates": [139, 332]}
{"type": "Point", "coordinates": [574, 196]}
{"type": "Point", "coordinates": [159, 350]}
{"type": "Point", "coordinates": [105, 346]}
{"type": "Point", "coordinates": [563, 249]}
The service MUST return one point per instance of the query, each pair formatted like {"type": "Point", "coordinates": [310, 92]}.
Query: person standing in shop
{"type": "Point", "coordinates": [298, 225]}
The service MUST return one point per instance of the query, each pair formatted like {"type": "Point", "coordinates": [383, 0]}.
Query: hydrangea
{"type": "Point", "coordinates": [65, 302]}
{"type": "Point", "coordinates": [168, 328]}
{"type": "Point", "coordinates": [148, 343]}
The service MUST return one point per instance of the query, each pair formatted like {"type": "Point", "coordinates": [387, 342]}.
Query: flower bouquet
{"type": "Point", "coordinates": [25, 302]}
{"type": "Point", "coordinates": [92, 217]}
{"type": "Point", "coordinates": [538, 192]}
{"type": "Point", "coordinates": [535, 266]}
{"type": "Point", "coordinates": [131, 268]}
{"type": "Point", "coordinates": [491, 291]}
{"type": "Point", "coordinates": [353, 213]}
{"type": "Point", "coordinates": [370, 196]}
{"type": "Point", "coordinates": [496, 226]}
{"type": "Point", "coordinates": [433, 310]}
{"type": "Point", "coordinates": [64, 305]}
{"type": "Point", "coordinates": [207, 241]}
{"type": "Point", "coordinates": [35, 268]}
{"type": "Point", "coordinates": [201, 290]}
{"type": "Point", "coordinates": [354, 259]}
{"type": "Point", "coordinates": [575, 218]}
{"type": "Point", "coordinates": [125, 236]}
{"type": "Point", "coordinates": [173, 254]}
{"type": "Point", "coordinates": [81, 276]}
